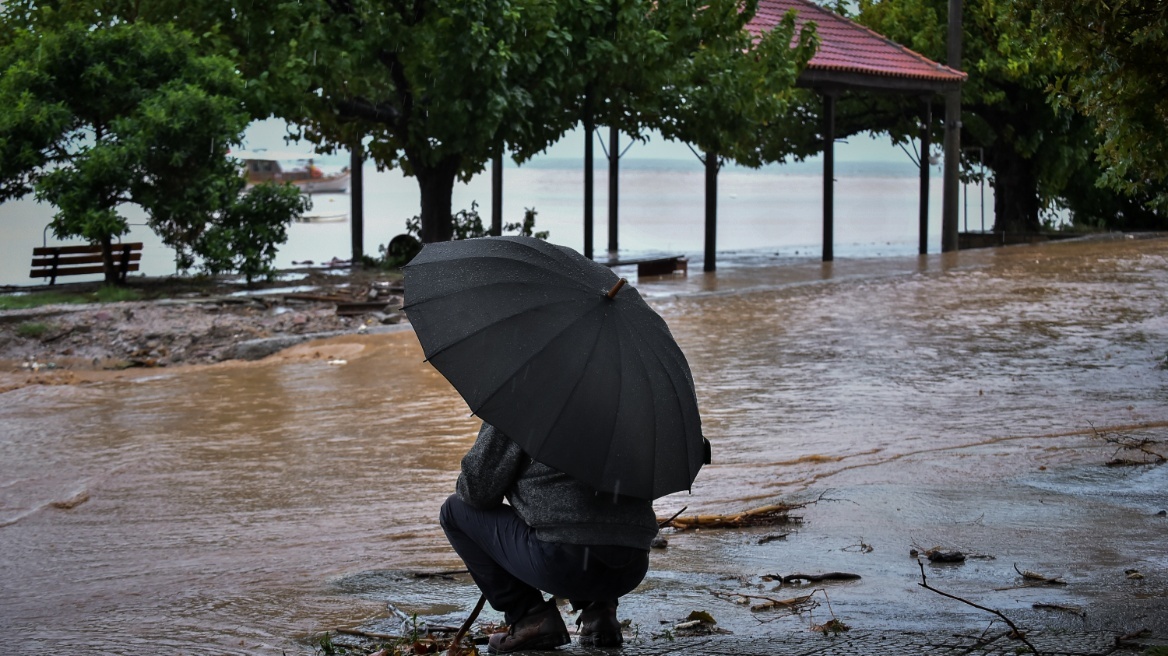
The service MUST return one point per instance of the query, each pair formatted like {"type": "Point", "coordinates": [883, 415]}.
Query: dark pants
{"type": "Point", "coordinates": [511, 566]}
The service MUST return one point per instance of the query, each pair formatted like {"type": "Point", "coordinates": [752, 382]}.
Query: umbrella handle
{"type": "Point", "coordinates": [616, 288]}
{"type": "Point", "coordinates": [455, 649]}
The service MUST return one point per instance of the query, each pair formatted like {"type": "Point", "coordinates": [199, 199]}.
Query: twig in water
{"type": "Point", "coordinates": [454, 649]}
{"type": "Point", "coordinates": [1015, 632]}
{"type": "Point", "coordinates": [1127, 443]}
{"type": "Point", "coordinates": [670, 520]}
{"type": "Point", "coordinates": [815, 578]}
{"type": "Point", "coordinates": [1038, 578]}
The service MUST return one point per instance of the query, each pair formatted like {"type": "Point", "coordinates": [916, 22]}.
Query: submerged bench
{"type": "Point", "coordinates": [655, 266]}
{"type": "Point", "coordinates": [54, 261]}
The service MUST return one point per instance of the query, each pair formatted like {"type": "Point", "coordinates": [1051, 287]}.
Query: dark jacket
{"type": "Point", "coordinates": [556, 506]}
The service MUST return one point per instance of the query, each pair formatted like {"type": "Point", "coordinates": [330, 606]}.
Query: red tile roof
{"type": "Point", "coordinates": [850, 48]}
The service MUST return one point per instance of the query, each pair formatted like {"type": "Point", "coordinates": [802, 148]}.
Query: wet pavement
{"type": "Point", "coordinates": [967, 402]}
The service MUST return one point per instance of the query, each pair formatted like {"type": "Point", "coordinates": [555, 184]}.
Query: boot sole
{"type": "Point", "coordinates": [547, 643]}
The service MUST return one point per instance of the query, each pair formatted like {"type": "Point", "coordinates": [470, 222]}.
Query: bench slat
{"type": "Point", "coordinates": [76, 271]}
{"type": "Point", "coordinates": [654, 266]}
{"type": "Point", "coordinates": [89, 248]}
{"type": "Point", "coordinates": [73, 260]}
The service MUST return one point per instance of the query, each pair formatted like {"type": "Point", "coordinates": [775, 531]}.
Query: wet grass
{"type": "Point", "coordinates": [32, 329]}
{"type": "Point", "coordinates": [106, 294]}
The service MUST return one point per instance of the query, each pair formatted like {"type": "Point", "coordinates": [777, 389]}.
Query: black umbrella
{"type": "Point", "coordinates": [551, 349]}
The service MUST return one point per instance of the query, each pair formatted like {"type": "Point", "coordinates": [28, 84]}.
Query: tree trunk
{"type": "Point", "coordinates": [1015, 192]}
{"type": "Point", "coordinates": [437, 185]}
{"type": "Point", "coordinates": [108, 262]}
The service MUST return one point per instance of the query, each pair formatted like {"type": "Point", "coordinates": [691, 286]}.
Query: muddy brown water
{"type": "Point", "coordinates": [954, 401]}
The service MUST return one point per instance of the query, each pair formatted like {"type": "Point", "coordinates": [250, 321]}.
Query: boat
{"type": "Point", "coordinates": [297, 168]}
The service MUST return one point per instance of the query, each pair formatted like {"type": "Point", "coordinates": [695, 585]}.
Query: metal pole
{"type": "Point", "coordinates": [497, 194]}
{"type": "Point", "coordinates": [926, 146]}
{"type": "Point", "coordinates": [613, 187]}
{"type": "Point", "coordinates": [828, 175]}
{"type": "Point", "coordinates": [711, 211]}
{"type": "Point", "coordinates": [952, 135]}
{"type": "Point", "coordinates": [589, 127]}
{"type": "Point", "coordinates": [357, 203]}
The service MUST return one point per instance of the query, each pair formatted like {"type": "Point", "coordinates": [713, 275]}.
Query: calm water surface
{"type": "Point", "coordinates": [237, 509]}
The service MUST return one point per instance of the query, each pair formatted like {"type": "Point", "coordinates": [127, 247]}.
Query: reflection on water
{"type": "Point", "coordinates": [215, 510]}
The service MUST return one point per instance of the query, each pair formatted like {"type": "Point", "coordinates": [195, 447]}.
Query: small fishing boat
{"type": "Point", "coordinates": [297, 168]}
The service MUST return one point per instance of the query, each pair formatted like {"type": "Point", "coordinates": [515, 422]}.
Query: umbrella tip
{"type": "Point", "coordinates": [616, 288]}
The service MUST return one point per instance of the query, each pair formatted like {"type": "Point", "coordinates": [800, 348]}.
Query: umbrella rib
{"type": "Point", "coordinates": [491, 325]}
{"type": "Point", "coordinates": [677, 393]}
{"type": "Point", "coordinates": [480, 288]}
{"type": "Point", "coordinates": [560, 412]}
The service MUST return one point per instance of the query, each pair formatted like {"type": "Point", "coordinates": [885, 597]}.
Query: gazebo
{"type": "Point", "coordinates": [852, 57]}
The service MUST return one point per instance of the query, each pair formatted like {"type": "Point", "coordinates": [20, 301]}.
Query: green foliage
{"type": "Point", "coordinates": [526, 228]}
{"type": "Point", "coordinates": [440, 87]}
{"type": "Point", "coordinates": [25, 301]}
{"type": "Point", "coordinates": [116, 294]}
{"type": "Point", "coordinates": [729, 91]}
{"type": "Point", "coordinates": [32, 329]}
{"type": "Point", "coordinates": [1039, 154]}
{"type": "Point", "coordinates": [99, 116]}
{"type": "Point", "coordinates": [105, 294]}
{"type": "Point", "coordinates": [1116, 54]}
{"type": "Point", "coordinates": [468, 225]}
{"type": "Point", "coordinates": [246, 235]}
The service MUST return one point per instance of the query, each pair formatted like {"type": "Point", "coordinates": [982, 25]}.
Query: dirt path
{"type": "Point", "coordinates": [189, 324]}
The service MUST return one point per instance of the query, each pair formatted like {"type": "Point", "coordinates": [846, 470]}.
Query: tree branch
{"type": "Point", "coordinates": [369, 111]}
{"type": "Point", "coordinates": [1015, 632]}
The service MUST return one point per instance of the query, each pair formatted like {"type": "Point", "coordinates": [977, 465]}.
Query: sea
{"type": "Point", "coordinates": [767, 215]}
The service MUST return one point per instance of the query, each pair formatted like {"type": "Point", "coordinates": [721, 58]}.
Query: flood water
{"type": "Point", "coordinates": [950, 399]}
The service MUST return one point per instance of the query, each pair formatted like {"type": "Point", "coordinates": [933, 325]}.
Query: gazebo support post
{"type": "Point", "coordinates": [711, 161]}
{"type": "Point", "coordinates": [613, 187]}
{"type": "Point", "coordinates": [497, 194]}
{"type": "Point", "coordinates": [589, 128]}
{"type": "Point", "coordinates": [357, 204]}
{"type": "Point", "coordinates": [926, 146]}
{"type": "Point", "coordinates": [952, 135]}
{"type": "Point", "coordinates": [828, 174]}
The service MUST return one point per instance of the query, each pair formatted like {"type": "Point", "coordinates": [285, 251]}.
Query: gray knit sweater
{"type": "Point", "coordinates": [556, 506]}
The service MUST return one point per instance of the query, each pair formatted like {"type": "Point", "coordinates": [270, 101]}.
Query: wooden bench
{"type": "Point", "coordinates": [655, 266]}
{"type": "Point", "coordinates": [54, 261]}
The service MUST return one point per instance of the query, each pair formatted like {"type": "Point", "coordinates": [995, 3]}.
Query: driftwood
{"type": "Point", "coordinates": [1015, 632]}
{"type": "Point", "coordinates": [1038, 578]}
{"type": "Point", "coordinates": [769, 515]}
{"type": "Point", "coordinates": [815, 578]}
{"type": "Point", "coordinates": [796, 604]}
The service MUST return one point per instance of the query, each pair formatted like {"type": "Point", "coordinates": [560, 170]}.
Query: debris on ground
{"type": "Point", "coordinates": [768, 515]}
{"type": "Point", "coordinates": [1034, 578]}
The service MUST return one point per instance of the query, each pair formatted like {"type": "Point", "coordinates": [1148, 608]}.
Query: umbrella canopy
{"type": "Point", "coordinates": [546, 346]}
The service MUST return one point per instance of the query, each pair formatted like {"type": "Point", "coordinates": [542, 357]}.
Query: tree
{"type": "Point", "coordinates": [1117, 53]}
{"type": "Point", "coordinates": [132, 113]}
{"type": "Point", "coordinates": [441, 86]}
{"type": "Point", "coordinates": [1037, 154]}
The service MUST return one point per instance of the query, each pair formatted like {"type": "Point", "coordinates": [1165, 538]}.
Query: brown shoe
{"type": "Point", "coordinates": [542, 629]}
{"type": "Point", "coordinates": [598, 625]}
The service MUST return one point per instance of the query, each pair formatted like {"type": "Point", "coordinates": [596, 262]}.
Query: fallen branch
{"type": "Point", "coordinates": [1126, 443]}
{"type": "Point", "coordinates": [763, 516]}
{"type": "Point", "coordinates": [797, 604]}
{"type": "Point", "coordinates": [1038, 578]}
{"type": "Point", "coordinates": [1015, 632]}
{"type": "Point", "coordinates": [661, 525]}
{"type": "Point", "coordinates": [372, 635]}
{"type": "Point", "coordinates": [1069, 609]}
{"type": "Point", "coordinates": [455, 649]}
{"type": "Point", "coordinates": [816, 578]}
